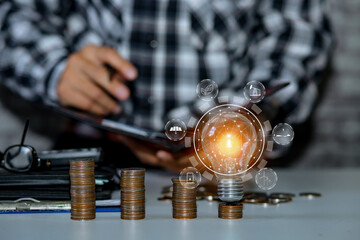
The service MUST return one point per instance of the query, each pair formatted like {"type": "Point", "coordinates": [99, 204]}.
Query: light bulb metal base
{"type": "Point", "coordinates": [230, 189]}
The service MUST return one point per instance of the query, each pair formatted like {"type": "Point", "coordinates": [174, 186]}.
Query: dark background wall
{"type": "Point", "coordinates": [331, 138]}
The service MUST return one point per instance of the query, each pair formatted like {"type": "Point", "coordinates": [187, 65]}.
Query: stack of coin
{"type": "Point", "coordinates": [132, 193]}
{"type": "Point", "coordinates": [184, 199]}
{"type": "Point", "coordinates": [230, 210]}
{"type": "Point", "coordinates": [82, 189]}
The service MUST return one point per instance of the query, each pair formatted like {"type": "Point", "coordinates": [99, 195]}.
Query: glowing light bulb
{"type": "Point", "coordinates": [227, 140]}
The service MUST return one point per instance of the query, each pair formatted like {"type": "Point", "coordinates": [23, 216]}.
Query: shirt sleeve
{"type": "Point", "coordinates": [33, 47]}
{"type": "Point", "coordinates": [289, 41]}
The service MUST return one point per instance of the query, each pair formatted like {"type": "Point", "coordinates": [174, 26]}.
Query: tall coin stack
{"type": "Point", "coordinates": [82, 189]}
{"type": "Point", "coordinates": [230, 210]}
{"type": "Point", "coordinates": [184, 199]}
{"type": "Point", "coordinates": [132, 193]}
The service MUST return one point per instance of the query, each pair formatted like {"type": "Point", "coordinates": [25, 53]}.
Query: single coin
{"type": "Point", "coordinates": [255, 199]}
{"type": "Point", "coordinates": [282, 195]}
{"type": "Point", "coordinates": [254, 194]}
{"type": "Point", "coordinates": [278, 200]}
{"type": "Point", "coordinates": [310, 194]}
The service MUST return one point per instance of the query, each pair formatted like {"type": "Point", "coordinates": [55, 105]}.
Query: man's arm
{"type": "Point", "coordinates": [34, 47]}
{"type": "Point", "coordinates": [42, 60]}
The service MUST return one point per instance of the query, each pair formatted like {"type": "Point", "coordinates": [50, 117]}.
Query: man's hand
{"type": "Point", "coordinates": [85, 82]}
{"type": "Point", "coordinates": [149, 155]}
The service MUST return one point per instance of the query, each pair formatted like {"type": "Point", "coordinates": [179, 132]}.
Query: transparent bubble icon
{"type": "Point", "coordinates": [207, 89]}
{"type": "Point", "coordinates": [190, 174]}
{"type": "Point", "coordinates": [266, 178]}
{"type": "Point", "coordinates": [175, 130]}
{"type": "Point", "coordinates": [283, 134]}
{"type": "Point", "coordinates": [254, 91]}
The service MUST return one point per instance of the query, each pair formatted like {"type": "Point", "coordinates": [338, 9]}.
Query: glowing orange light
{"type": "Point", "coordinates": [229, 144]}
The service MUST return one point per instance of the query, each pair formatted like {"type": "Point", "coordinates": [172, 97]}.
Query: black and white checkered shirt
{"type": "Point", "coordinates": [174, 44]}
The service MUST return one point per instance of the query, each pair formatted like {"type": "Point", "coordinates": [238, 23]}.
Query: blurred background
{"type": "Point", "coordinates": [331, 138]}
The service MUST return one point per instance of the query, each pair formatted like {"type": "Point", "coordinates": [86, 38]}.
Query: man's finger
{"type": "Point", "coordinates": [100, 76]}
{"type": "Point", "coordinates": [102, 55]}
{"type": "Point", "coordinates": [164, 156]}
{"type": "Point", "coordinates": [81, 101]}
{"type": "Point", "coordinates": [111, 57]}
{"type": "Point", "coordinates": [184, 160]}
{"type": "Point", "coordinates": [148, 158]}
{"type": "Point", "coordinates": [97, 95]}
{"type": "Point", "coordinates": [172, 167]}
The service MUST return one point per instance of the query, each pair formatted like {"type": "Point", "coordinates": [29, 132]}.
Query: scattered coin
{"type": "Point", "coordinates": [310, 194]}
{"type": "Point", "coordinates": [282, 195]}
{"type": "Point", "coordinates": [255, 200]}
{"type": "Point", "coordinates": [82, 189]}
{"type": "Point", "coordinates": [254, 194]}
{"type": "Point", "coordinates": [278, 200]}
{"type": "Point", "coordinates": [132, 193]}
{"type": "Point", "coordinates": [230, 210]}
{"type": "Point", "coordinates": [259, 198]}
{"type": "Point", "coordinates": [254, 197]}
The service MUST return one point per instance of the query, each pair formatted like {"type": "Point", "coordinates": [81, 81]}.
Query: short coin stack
{"type": "Point", "coordinates": [230, 210]}
{"type": "Point", "coordinates": [184, 199]}
{"type": "Point", "coordinates": [82, 189]}
{"type": "Point", "coordinates": [132, 193]}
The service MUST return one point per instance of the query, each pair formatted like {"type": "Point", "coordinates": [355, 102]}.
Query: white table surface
{"type": "Point", "coordinates": [336, 215]}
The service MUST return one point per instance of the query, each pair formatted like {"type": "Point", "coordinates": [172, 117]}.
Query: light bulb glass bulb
{"type": "Point", "coordinates": [229, 140]}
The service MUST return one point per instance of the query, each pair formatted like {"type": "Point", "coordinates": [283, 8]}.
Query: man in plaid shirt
{"type": "Point", "coordinates": [56, 50]}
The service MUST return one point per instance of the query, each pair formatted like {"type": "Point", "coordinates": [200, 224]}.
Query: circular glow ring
{"type": "Point", "coordinates": [262, 134]}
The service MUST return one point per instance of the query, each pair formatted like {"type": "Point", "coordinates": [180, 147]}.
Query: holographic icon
{"type": "Point", "coordinates": [283, 134]}
{"type": "Point", "coordinates": [190, 174]}
{"type": "Point", "coordinates": [207, 90]}
{"type": "Point", "coordinates": [266, 178]}
{"type": "Point", "coordinates": [175, 129]}
{"type": "Point", "coordinates": [254, 91]}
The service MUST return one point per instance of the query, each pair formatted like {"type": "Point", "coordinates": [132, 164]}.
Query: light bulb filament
{"type": "Point", "coordinates": [229, 143]}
